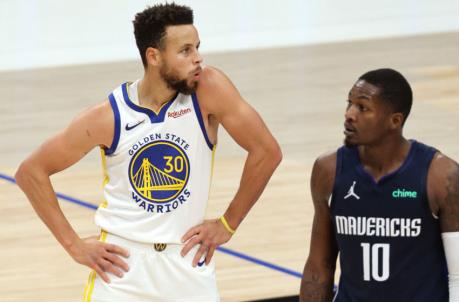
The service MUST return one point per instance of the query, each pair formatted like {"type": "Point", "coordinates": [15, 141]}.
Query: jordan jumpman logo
{"type": "Point", "coordinates": [351, 192]}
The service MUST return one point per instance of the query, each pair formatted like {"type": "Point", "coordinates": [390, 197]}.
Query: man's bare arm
{"type": "Point", "coordinates": [318, 275]}
{"type": "Point", "coordinates": [92, 128]}
{"type": "Point", "coordinates": [220, 99]}
{"type": "Point", "coordinates": [249, 131]}
{"type": "Point", "coordinates": [443, 191]}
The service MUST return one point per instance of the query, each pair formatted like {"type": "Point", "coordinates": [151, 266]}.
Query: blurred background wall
{"type": "Point", "coordinates": [43, 33]}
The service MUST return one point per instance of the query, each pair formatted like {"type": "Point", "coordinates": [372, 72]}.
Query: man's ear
{"type": "Point", "coordinates": [153, 56]}
{"type": "Point", "coordinates": [396, 120]}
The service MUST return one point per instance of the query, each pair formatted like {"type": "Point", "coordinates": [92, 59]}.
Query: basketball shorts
{"type": "Point", "coordinates": [156, 273]}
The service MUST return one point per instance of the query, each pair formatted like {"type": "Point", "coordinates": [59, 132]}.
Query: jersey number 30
{"type": "Point", "coordinates": [173, 164]}
{"type": "Point", "coordinates": [375, 260]}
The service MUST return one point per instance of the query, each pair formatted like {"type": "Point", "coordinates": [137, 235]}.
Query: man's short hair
{"type": "Point", "coordinates": [150, 25]}
{"type": "Point", "coordinates": [394, 89]}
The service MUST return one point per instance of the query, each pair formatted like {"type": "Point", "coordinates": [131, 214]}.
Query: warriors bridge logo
{"type": "Point", "coordinates": [159, 173]}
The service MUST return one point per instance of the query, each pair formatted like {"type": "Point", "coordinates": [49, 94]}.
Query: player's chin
{"type": "Point", "coordinates": [193, 84]}
{"type": "Point", "coordinates": [188, 88]}
{"type": "Point", "coordinates": [350, 142]}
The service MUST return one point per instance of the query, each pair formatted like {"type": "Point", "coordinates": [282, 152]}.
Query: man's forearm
{"type": "Point", "coordinates": [315, 291]}
{"type": "Point", "coordinates": [41, 195]}
{"type": "Point", "coordinates": [258, 169]}
{"type": "Point", "coordinates": [317, 283]}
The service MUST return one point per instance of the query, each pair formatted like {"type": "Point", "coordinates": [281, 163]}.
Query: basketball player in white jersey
{"type": "Point", "coordinates": [157, 136]}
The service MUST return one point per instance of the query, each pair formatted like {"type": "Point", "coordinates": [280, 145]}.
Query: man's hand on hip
{"type": "Point", "coordinates": [101, 257]}
{"type": "Point", "coordinates": [210, 234]}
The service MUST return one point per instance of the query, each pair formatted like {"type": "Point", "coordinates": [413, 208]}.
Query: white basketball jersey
{"type": "Point", "coordinates": [157, 170]}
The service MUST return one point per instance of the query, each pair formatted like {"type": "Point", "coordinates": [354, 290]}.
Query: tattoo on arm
{"type": "Point", "coordinates": [450, 206]}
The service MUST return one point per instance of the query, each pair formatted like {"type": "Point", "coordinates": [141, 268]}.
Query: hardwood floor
{"type": "Point", "coordinates": [300, 92]}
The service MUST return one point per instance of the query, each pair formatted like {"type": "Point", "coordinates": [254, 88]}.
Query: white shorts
{"type": "Point", "coordinates": [154, 275]}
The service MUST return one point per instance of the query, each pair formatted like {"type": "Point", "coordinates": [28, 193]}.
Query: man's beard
{"type": "Point", "coordinates": [349, 144]}
{"type": "Point", "coordinates": [174, 83]}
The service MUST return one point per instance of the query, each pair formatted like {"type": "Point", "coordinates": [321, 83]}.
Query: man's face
{"type": "Point", "coordinates": [367, 119]}
{"type": "Point", "coordinates": [181, 61]}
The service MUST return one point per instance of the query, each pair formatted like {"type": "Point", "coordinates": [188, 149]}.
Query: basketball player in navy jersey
{"type": "Point", "coordinates": [387, 205]}
{"type": "Point", "coordinates": [157, 136]}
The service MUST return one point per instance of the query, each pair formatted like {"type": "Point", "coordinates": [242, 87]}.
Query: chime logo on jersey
{"type": "Point", "coordinates": [158, 173]}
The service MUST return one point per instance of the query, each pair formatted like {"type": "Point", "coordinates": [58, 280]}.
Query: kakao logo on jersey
{"type": "Point", "coordinates": [159, 172]}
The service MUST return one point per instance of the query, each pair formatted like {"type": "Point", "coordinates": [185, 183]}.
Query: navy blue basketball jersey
{"type": "Point", "coordinates": [389, 242]}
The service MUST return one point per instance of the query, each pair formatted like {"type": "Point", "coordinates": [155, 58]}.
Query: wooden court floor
{"type": "Point", "coordinates": [301, 94]}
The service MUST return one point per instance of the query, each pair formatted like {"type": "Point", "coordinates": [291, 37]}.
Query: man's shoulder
{"type": "Point", "coordinates": [101, 108]}
{"type": "Point", "coordinates": [324, 169]}
{"type": "Point", "coordinates": [216, 92]}
{"type": "Point", "coordinates": [323, 177]}
{"type": "Point", "coordinates": [443, 191]}
{"type": "Point", "coordinates": [212, 78]}
{"type": "Point", "coordinates": [442, 166]}
{"type": "Point", "coordinates": [100, 116]}
{"type": "Point", "coordinates": [443, 173]}
{"type": "Point", "coordinates": [326, 162]}
{"type": "Point", "coordinates": [210, 72]}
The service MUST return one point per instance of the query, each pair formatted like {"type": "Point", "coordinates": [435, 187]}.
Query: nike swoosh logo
{"type": "Point", "coordinates": [133, 126]}
{"type": "Point", "coordinates": [202, 263]}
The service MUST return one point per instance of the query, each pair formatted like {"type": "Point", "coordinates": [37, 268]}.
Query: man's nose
{"type": "Point", "coordinates": [349, 114]}
{"type": "Point", "coordinates": [198, 57]}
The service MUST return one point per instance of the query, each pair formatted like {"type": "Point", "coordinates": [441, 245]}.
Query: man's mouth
{"type": "Point", "coordinates": [349, 129]}
{"type": "Point", "coordinates": [196, 73]}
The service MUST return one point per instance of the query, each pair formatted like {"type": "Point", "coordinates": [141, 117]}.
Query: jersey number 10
{"type": "Point", "coordinates": [376, 261]}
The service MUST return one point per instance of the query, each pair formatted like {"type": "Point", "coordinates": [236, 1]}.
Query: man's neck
{"type": "Point", "coordinates": [385, 157]}
{"type": "Point", "coordinates": [153, 92]}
